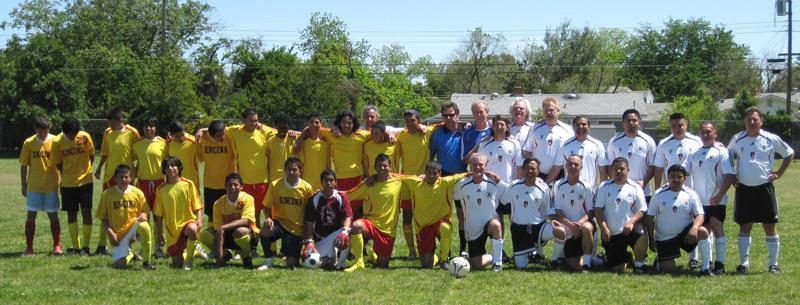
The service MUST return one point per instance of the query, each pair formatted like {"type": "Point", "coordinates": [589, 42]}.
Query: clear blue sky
{"type": "Point", "coordinates": [436, 27]}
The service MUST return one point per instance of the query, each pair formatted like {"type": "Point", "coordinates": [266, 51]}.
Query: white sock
{"type": "Point", "coordinates": [705, 253]}
{"type": "Point", "coordinates": [693, 255]}
{"type": "Point", "coordinates": [497, 251]}
{"type": "Point", "coordinates": [773, 247]}
{"type": "Point", "coordinates": [558, 249]}
{"type": "Point", "coordinates": [744, 250]}
{"type": "Point", "coordinates": [521, 261]}
{"type": "Point", "coordinates": [587, 259]}
{"type": "Point", "coordinates": [343, 258]}
{"type": "Point", "coordinates": [721, 246]}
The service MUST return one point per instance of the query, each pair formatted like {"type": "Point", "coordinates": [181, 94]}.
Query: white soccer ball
{"type": "Point", "coordinates": [458, 267]}
{"type": "Point", "coordinates": [312, 261]}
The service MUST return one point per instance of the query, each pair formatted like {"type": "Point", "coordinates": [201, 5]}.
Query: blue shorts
{"type": "Point", "coordinates": [39, 201]}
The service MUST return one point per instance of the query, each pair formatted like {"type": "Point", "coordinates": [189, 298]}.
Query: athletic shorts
{"type": "Point", "coordinates": [179, 245]}
{"type": "Point", "coordinates": [405, 204]}
{"type": "Point", "coordinates": [382, 243]}
{"type": "Point", "coordinates": [40, 201]}
{"type": "Point", "coordinates": [149, 188]}
{"type": "Point", "coordinates": [209, 197]}
{"type": "Point", "coordinates": [258, 191]}
{"type": "Point", "coordinates": [229, 242]}
{"type": "Point", "coordinates": [671, 248]}
{"type": "Point", "coordinates": [77, 198]}
{"type": "Point", "coordinates": [525, 238]}
{"type": "Point", "coordinates": [325, 246]}
{"type": "Point", "coordinates": [503, 209]}
{"type": "Point", "coordinates": [290, 244]}
{"type": "Point", "coordinates": [347, 184]}
{"type": "Point", "coordinates": [617, 246]}
{"type": "Point", "coordinates": [477, 247]}
{"type": "Point", "coordinates": [573, 247]}
{"type": "Point", "coordinates": [755, 204]}
{"type": "Point", "coordinates": [426, 238]}
{"type": "Point", "coordinates": [716, 211]}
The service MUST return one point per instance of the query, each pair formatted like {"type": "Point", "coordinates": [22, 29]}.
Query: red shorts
{"type": "Point", "coordinates": [149, 187]}
{"type": "Point", "coordinates": [258, 191]}
{"type": "Point", "coordinates": [109, 184]}
{"type": "Point", "coordinates": [382, 243]}
{"type": "Point", "coordinates": [180, 245]}
{"type": "Point", "coordinates": [426, 238]}
{"type": "Point", "coordinates": [347, 184]}
{"type": "Point", "coordinates": [405, 204]}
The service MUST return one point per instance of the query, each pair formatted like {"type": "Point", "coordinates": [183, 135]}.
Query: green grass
{"type": "Point", "coordinates": [43, 279]}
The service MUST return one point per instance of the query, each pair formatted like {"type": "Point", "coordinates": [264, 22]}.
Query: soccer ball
{"type": "Point", "coordinates": [458, 267]}
{"type": "Point", "coordinates": [312, 260]}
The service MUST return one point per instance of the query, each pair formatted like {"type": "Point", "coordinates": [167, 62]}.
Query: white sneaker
{"type": "Point", "coordinates": [199, 252]}
{"type": "Point", "coordinates": [264, 266]}
{"type": "Point", "coordinates": [237, 256]}
{"type": "Point", "coordinates": [188, 266]}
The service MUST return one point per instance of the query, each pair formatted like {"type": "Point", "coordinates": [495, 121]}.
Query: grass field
{"type": "Point", "coordinates": [43, 279]}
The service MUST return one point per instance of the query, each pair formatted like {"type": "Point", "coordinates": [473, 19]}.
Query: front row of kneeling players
{"type": "Point", "coordinates": [293, 212]}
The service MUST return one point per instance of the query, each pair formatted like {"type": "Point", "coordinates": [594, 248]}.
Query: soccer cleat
{"type": "Point", "coordinates": [706, 272]}
{"type": "Point", "coordinates": [136, 257]}
{"type": "Point", "coordinates": [694, 264]}
{"type": "Point", "coordinates": [147, 265]}
{"type": "Point", "coordinates": [247, 262]}
{"type": "Point", "coordinates": [57, 250]}
{"type": "Point", "coordinates": [719, 268]}
{"type": "Point", "coordinates": [464, 254]}
{"type": "Point", "coordinates": [159, 253]}
{"type": "Point", "coordinates": [741, 269]}
{"type": "Point", "coordinates": [536, 258]}
{"type": "Point", "coordinates": [638, 270]}
{"type": "Point", "coordinates": [497, 267]}
{"type": "Point", "coordinates": [445, 265]}
{"type": "Point", "coordinates": [412, 256]}
{"type": "Point", "coordinates": [199, 252]}
{"type": "Point", "coordinates": [774, 269]}
{"type": "Point", "coordinates": [72, 251]}
{"type": "Point", "coordinates": [264, 266]}
{"type": "Point", "coordinates": [554, 264]}
{"type": "Point", "coordinates": [237, 256]}
{"type": "Point", "coordinates": [506, 259]}
{"type": "Point", "coordinates": [586, 269]}
{"type": "Point", "coordinates": [188, 266]}
{"type": "Point", "coordinates": [101, 250]}
{"type": "Point", "coordinates": [85, 251]}
{"type": "Point", "coordinates": [357, 265]}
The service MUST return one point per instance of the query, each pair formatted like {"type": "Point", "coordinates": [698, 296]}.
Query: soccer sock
{"type": "Point", "coordinates": [721, 245]}
{"type": "Point", "coordinates": [445, 240]}
{"type": "Point", "coordinates": [357, 247]}
{"type": "Point", "coordinates": [55, 230]}
{"type": "Point", "coordinates": [521, 261]}
{"type": "Point", "coordinates": [587, 259]}
{"type": "Point", "coordinates": [191, 245]}
{"type": "Point", "coordinates": [371, 256]}
{"type": "Point", "coordinates": [30, 230]}
{"type": "Point", "coordinates": [693, 255]}
{"type": "Point", "coordinates": [244, 245]}
{"type": "Point", "coordinates": [462, 240]}
{"type": "Point", "coordinates": [72, 228]}
{"type": "Point", "coordinates": [342, 258]}
{"type": "Point", "coordinates": [773, 248]}
{"type": "Point", "coordinates": [705, 253]}
{"type": "Point", "coordinates": [408, 234]}
{"type": "Point", "coordinates": [558, 248]}
{"type": "Point", "coordinates": [207, 239]}
{"type": "Point", "coordinates": [497, 251]}
{"type": "Point", "coordinates": [744, 249]}
{"type": "Point", "coordinates": [146, 237]}
{"type": "Point", "coordinates": [87, 235]}
{"type": "Point", "coordinates": [129, 257]}
{"type": "Point", "coordinates": [102, 237]}
{"type": "Point", "coordinates": [267, 247]}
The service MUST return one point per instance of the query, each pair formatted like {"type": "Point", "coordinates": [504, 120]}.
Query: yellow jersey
{"type": "Point", "coordinates": [316, 156]}
{"type": "Point", "coordinates": [42, 173]}
{"type": "Point", "coordinates": [186, 151]}
{"type": "Point", "coordinates": [219, 160]}
{"type": "Point", "coordinates": [117, 147]}
{"type": "Point", "coordinates": [251, 151]}
{"type": "Point", "coordinates": [121, 209]}
{"type": "Point", "coordinates": [431, 202]}
{"type": "Point", "coordinates": [178, 204]}
{"type": "Point", "coordinates": [346, 152]}
{"type": "Point", "coordinates": [288, 203]}
{"type": "Point", "coordinates": [373, 149]}
{"type": "Point", "coordinates": [75, 157]}
{"type": "Point", "coordinates": [414, 151]}
{"type": "Point", "coordinates": [148, 154]}
{"type": "Point", "coordinates": [226, 211]}
{"type": "Point", "coordinates": [381, 202]}
{"type": "Point", "coordinates": [278, 150]}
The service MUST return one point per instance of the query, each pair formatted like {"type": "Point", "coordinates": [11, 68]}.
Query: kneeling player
{"type": "Point", "coordinates": [676, 217]}
{"type": "Point", "coordinates": [123, 211]}
{"type": "Point", "coordinates": [328, 216]}
{"type": "Point", "coordinates": [572, 201]}
{"type": "Point", "coordinates": [179, 209]}
{"type": "Point", "coordinates": [233, 224]}
{"type": "Point", "coordinates": [619, 205]}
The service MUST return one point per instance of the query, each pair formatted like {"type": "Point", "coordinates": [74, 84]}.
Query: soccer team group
{"type": "Point", "coordinates": [329, 191]}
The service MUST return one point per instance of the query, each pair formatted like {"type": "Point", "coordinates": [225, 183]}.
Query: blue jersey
{"type": "Point", "coordinates": [471, 137]}
{"type": "Point", "coordinates": [446, 149]}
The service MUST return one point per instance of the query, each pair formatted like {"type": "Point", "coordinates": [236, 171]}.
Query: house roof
{"type": "Point", "coordinates": [781, 96]}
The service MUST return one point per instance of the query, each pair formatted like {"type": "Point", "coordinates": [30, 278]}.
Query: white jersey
{"type": "Point", "coordinates": [640, 152]}
{"type": "Point", "coordinates": [529, 204]}
{"type": "Point", "coordinates": [673, 211]}
{"type": "Point", "coordinates": [520, 132]}
{"type": "Point", "coordinates": [706, 167]}
{"type": "Point", "coordinates": [673, 151]}
{"type": "Point", "coordinates": [544, 141]}
{"type": "Point", "coordinates": [594, 156]}
{"type": "Point", "coordinates": [479, 201]}
{"type": "Point", "coordinates": [504, 157]}
{"type": "Point", "coordinates": [574, 200]}
{"type": "Point", "coordinates": [754, 155]}
{"type": "Point", "coordinates": [619, 203]}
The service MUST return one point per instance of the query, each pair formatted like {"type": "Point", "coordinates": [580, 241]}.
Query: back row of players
{"type": "Point", "coordinates": [515, 168]}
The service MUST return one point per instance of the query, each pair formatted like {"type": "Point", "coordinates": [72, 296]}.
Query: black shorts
{"type": "Point", "coordinates": [77, 198]}
{"type": "Point", "coordinates": [524, 238]}
{"type": "Point", "coordinates": [290, 243]}
{"type": "Point", "coordinates": [755, 204]}
{"type": "Point", "coordinates": [229, 242]}
{"type": "Point", "coordinates": [716, 211]}
{"type": "Point", "coordinates": [477, 247]}
{"type": "Point", "coordinates": [503, 209]}
{"type": "Point", "coordinates": [671, 248]}
{"type": "Point", "coordinates": [209, 197]}
{"type": "Point", "coordinates": [617, 246]}
{"type": "Point", "coordinates": [573, 247]}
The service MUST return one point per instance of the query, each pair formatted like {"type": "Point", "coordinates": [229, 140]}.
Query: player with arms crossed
{"type": "Point", "coordinates": [327, 218]}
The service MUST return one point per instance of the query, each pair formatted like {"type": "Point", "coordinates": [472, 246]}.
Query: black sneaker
{"type": "Point", "coordinates": [497, 267]}
{"type": "Point", "coordinates": [101, 250]}
{"type": "Point", "coordinates": [586, 269]}
{"type": "Point", "coordinates": [147, 265]}
{"type": "Point", "coordinates": [72, 251]}
{"type": "Point", "coordinates": [741, 269]}
{"type": "Point", "coordinates": [537, 259]}
{"type": "Point", "coordinates": [506, 259]}
{"type": "Point", "coordinates": [719, 268]}
{"type": "Point", "coordinates": [85, 251]}
{"type": "Point", "coordinates": [247, 262]}
{"type": "Point", "coordinates": [706, 272]}
{"type": "Point", "coordinates": [694, 264]}
{"type": "Point", "coordinates": [554, 264]}
{"type": "Point", "coordinates": [638, 270]}
{"type": "Point", "coordinates": [774, 269]}
{"type": "Point", "coordinates": [159, 253]}
{"type": "Point", "coordinates": [137, 257]}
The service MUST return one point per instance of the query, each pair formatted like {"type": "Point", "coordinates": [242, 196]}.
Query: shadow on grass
{"type": "Point", "coordinates": [10, 255]}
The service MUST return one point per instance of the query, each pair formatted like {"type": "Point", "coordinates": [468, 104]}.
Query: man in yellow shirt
{"type": "Point", "coordinates": [284, 211]}
{"type": "Point", "coordinates": [73, 154]}
{"type": "Point", "coordinates": [314, 152]}
{"type": "Point", "coordinates": [378, 144]}
{"type": "Point", "coordinates": [279, 147]}
{"type": "Point", "coordinates": [183, 146]}
{"type": "Point", "coordinates": [123, 211]}
{"type": "Point", "coordinates": [39, 179]}
{"type": "Point", "coordinates": [116, 149]}
{"type": "Point", "coordinates": [234, 223]}
{"type": "Point", "coordinates": [148, 153]}
{"type": "Point", "coordinates": [413, 151]}
{"type": "Point", "coordinates": [217, 154]}
{"type": "Point", "coordinates": [178, 210]}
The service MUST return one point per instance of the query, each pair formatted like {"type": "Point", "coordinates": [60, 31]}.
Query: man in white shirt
{"type": "Point", "coordinates": [591, 150]}
{"type": "Point", "coordinates": [546, 136]}
{"type": "Point", "coordinates": [520, 112]}
{"type": "Point", "coordinates": [636, 147]}
{"type": "Point", "coordinates": [573, 204]}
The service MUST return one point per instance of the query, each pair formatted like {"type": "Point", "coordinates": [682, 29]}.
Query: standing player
{"type": "Point", "coordinates": [314, 152]}
{"type": "Point", "coordinates": [279, 147]}
{"type": "Point", "coordinates": [73, 154]}
{"type": "Point", "coordinates": [520, 112]}
{"type": "Point", "coordinates": [505, 154]}
{"type": "Point", "coordinates": [675, 222]}
{"type": "Point", "coordinates": [216, 151]}
{"type": "Point", "coordinates": [184, 146]}
{"type": "Point", "coordinates": [327, 220]}
{"type": "Point", "coordinates": [753, 150]}
{"type": "Point", "coordinates": [591, 150]}
{"type": "Point", "coordinates": [545, 139]}
{"type": "Point", "coordinates": [39, 178]}
{"type": "Point", "coordinates": [378, 144]}
{"type": "Point", "coordinates": [284, 209]}
{"type": "Point", "coordinates": [636, 147]}
{"type": "Point", "coordinates": [123, 211]}
{"type": "Point", "coordinates": [148, 153]}
{"type": "Point", "coordinates": [445, 148]}
{"type": "Point", "coordinates": [675, 148]}
{"type": "Point", "coordinates": [480, 198]}
{"type": "Point", "coordinates": [116, 149]}
{"type": "Point", "coordinates": [414, 152]}
{"type": "Point", "coordinates": [347, 151]}
{"type": "Point", "coordinates": [572, 201]}
{"type": "Point", "coordinates": [473, 135]}
{"type": "Point", "coordinates": [707, 167]}
{"type": "Point", "coordinates": [234, 223]}
{"type": "Point", "coordinates": [619, 205]}
{"type": "Point", "coordinates": [178, 210]}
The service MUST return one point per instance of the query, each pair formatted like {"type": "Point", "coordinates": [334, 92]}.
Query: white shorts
{"type": "Point", "coordinates": [124, 247]}
{"type": "Point", "coordinates": [39, 201]}
{"type": "Point", "coordinates": [325, 245]}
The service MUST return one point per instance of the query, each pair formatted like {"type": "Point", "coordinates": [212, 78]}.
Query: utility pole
{"type": "Point", "coordinates": [163, 49]}
{"type": "Point", "coordinates": [789, 64]}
